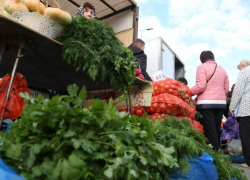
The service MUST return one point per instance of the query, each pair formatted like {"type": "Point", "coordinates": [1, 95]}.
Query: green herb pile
{"type": "Point", "coordinates": [190, 142]}
{"type": "Point", "coordinates": [91, 45]}
{"type": "Point", "coordinates": [54, 140]}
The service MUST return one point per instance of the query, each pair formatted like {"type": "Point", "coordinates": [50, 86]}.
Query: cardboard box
{"type": "Point", "coordinates": [35, 94]}
{"type": "Point", "coordinates": [139, 96]}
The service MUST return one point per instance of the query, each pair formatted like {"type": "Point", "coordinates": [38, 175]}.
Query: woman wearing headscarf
{"type": "Point", "coordinates": [241, 97]}
{"type": "Point", "coordinates": [87, 10]}
{"type": "Point", "coordinates": [211, 88]}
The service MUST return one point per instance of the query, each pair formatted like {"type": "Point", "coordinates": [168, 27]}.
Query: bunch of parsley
{"type": "Point", "coordinates": [54, 140]}
{"type": "Point", "coordinates": [91, 45]}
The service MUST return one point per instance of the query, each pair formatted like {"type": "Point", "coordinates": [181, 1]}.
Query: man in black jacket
{"type": "Point", "coordinates": [138, 47]}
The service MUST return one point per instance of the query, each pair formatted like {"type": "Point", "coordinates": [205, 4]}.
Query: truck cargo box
{"type": "Point", "coordinates": [161, 57]}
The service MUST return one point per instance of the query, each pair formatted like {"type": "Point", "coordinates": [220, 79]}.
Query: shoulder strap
{"type": "Point", "coordinates": [247, 86]}
{"type": "Point", "coordinates": [213, 73]}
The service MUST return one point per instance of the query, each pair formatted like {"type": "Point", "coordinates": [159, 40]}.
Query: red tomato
{"type": "Point", "coordinates": [160, 99]}
{"type": "Point", "coordinates": [137, 72]}
{"type": "Point", "coordinates": [140, 112]}
{"type": "Point", "coordinates": [190, 92]}
{"type": "Point", "coordinates": [166, 87]}
{"type": "Point", "coordinates": [162, 107]}
{"type": "Point", "coordinates": [174, 87]}
{"type": "Point", "coordinates": [170, 91]}
{"type": "Point", "coordinates": [156, 99]}
{"type": "Point", "coordinates": [140, 76]}
{"type": "Point", "coordinates": [169, 111]}
{"type": "Point", "coordinates": [184, 89]}
{"type": "Point", "coordinates": [152, 109]}
{"type": "Point", "coordinates": [186, 96]}
{"type": "Point", "coordinates": [162, 90]}
{"type": "Point", "coordinates": [158, 116]}
{"type": "Point", "coordinates": [176, 83]}
{"type": "Point", "coordinates": [161, 85]}
{"type": "Point", "coordinates": [147, 108]}
{"type": "Point", "coordinates": [155, 105]}
{"type": "Point", "coordinates": [154, 117]}
{"type": "Point", "coordinates": [155, 88]}
{"type": "Point", "coordinates": [157, 92]}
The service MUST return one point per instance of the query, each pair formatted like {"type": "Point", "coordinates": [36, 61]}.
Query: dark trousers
{"type": "Point", "coordinates": [211, 122]}
{"type": "Point", "coordinates": [244, 123]}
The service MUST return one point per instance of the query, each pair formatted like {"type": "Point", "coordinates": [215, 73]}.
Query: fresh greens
{"type": "Point", "coordinates": [58, 139]}
{"type": "Point", "coordinates": [190, 142]}
{"type": "Point", "coordinates": [52, 140]}
{"type": "Point", "coordinates": [92, 46]}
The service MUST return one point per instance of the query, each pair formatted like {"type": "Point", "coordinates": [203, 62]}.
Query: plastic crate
{"type": "Point", "coordinates": [237, 159]}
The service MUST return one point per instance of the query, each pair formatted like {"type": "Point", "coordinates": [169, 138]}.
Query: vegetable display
{"type": "Point", "coordinates": [138, 74]}
{"type": "Point", "coordinates": [138, 110]}
{"type": "Point", "coordinates": [1, 7]}
{"type": "Point", "coordinates": [34, 5]}
{"type": "Point", "coordinates": [58, 15]}
{"type": "Point", "coordinates": [190, 143]}
{"type": "Point", "coordinates": [54, 140]}
{"type": "Point", "coordinates": [168, 104]}
{"type": "Point", "coordinates": [172, 87]}
{"type": "Point", "coordinates": [11, 6]}
{"type": "Point", "coordinates": [91, 46]}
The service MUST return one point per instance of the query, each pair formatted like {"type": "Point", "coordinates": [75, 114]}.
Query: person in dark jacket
{"type": "Point", "coordinates": [228, 99]}
{"type": "Point", "coordinates": [137, 48]}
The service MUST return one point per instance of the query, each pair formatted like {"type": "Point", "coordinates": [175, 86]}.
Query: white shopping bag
{"type": "Point", "coordinates": [160, 75]}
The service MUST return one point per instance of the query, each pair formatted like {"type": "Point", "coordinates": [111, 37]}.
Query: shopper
{"type": "Point", "coordinates": [228, 99]}
{"type": "Point", "coordinates": [241, 98]}
{"type": "Point", "coordinates": [183, 80]}
{"type": "Point", "coordinates": [243, 64]}
{"type": "Point", "coordinates": [87, 10]}
{"type": "Point", "coordinates": [137, 48]}
{"type": "Point", "coordinates": [232, 88]}
{"type": "Point", "coordinates": [211, 88]}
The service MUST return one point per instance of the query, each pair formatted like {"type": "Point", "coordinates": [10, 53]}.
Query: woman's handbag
{"type": "Point", "coordinates": [237, 107]}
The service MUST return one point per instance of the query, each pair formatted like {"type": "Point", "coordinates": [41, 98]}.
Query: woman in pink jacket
{"type": "Point", "coordinates": [211, 88]}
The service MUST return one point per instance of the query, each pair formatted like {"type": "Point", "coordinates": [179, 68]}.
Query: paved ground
{"type": "Point", "coordinates": [247, 170]}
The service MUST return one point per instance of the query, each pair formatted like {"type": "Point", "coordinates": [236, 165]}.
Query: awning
{"type": "Point", "coordinates": [104, 8]}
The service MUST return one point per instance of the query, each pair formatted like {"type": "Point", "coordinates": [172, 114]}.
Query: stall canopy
{"type": "Point", "coordinates": [104, 8]}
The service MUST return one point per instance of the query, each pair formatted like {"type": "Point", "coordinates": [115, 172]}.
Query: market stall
{"type": "Point", "coordinates": [41, 60]}
{"type": "Point", "coordinates": [42, 63]}
{"type": "Point", "coordinates": [60, 139]}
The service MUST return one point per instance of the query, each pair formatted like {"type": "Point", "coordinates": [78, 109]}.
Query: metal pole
{"type": "Point", "coordinates": [129, 100]}
{"type": "Point", "coordinates": [127, 105]}
{"type": "Point", "coordinates": [2, 47]}
{"type": "Point", "coordinates": [21, 44]}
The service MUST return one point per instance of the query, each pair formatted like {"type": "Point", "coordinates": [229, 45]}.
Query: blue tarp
{"type": "Point", "coordinates": [6, 173]}
{"type": "Point", "coordinates": [201, 168]}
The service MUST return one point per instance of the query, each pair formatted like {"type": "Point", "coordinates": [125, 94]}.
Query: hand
{"type": "Point", "coordinates": [230, 112]}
